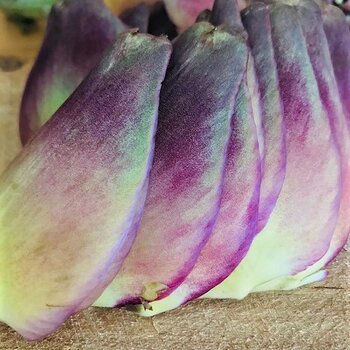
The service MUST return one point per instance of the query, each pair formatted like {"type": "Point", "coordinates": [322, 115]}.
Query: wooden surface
{"type": "Point", "coordinates": [314, 317]}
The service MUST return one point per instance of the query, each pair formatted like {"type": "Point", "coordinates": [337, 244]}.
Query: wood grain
{"type": "Point", "coordinates": [314, 317]}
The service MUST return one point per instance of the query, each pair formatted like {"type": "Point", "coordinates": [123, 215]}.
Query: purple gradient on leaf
{"type": "Point", "coordinates": [72, 200]}
{"type": "Point", "coordinates": [338, 36]}
{"type": "Point", "coordinates": [301, 226]}
{"type": "Point", "coordinates": [78, 33]}
{"type": "Point", "coordinates": [305, 118]}
{"type": "Point", "coordinates": [236, 224]}
{"type": "Point", "coordinates": [226, 12]}
{"type": "Point", "coordinates": [311, 20]}
{"type": "Point", "coordinates": [186, 179]}
{"type": "Point", "coordinates": [256, 20]}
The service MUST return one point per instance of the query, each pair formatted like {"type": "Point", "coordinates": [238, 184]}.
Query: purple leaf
{"type": "Point", "coordinates": [72, 200]}
{"type": "Point", "coordinates": [78, 33]}
{"type": "Point", "coordinates": [186, 180]}
{"type": "Point", "coordinates": [302, 223]}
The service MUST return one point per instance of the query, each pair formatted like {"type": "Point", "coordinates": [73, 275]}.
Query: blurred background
{"type": "Point", "coordinates": [22, 27]}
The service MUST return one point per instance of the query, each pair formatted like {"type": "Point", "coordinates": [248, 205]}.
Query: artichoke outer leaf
{"type": "Point", "coordinates": [186, 179]}
{"type": "Point", "coordinates": [78, 33]}
{"type": "Point", "coordinates": [311, 20]}
{"type": "Point", "coordinates": [256, 21]}
{"type": "Point", "coordinates": [72, 200]}
{"type": "Point", "coordinates": [338, 37]}
{"type": "Point", "coordinates": [236, 224]}
{"type": "Point", "coordinates": [301, 226]}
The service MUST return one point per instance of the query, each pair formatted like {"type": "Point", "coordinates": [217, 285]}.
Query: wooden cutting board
{"type": "Point", "coordinates": [313, 317]}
